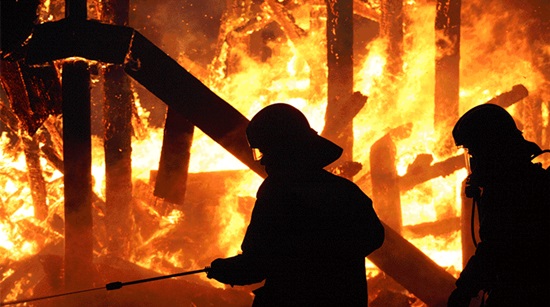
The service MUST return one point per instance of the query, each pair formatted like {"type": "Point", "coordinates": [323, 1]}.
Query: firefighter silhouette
{"type": "Point", "coordinates": [310, 230]}
{"type": "Point", "coordinates": [510, 266]}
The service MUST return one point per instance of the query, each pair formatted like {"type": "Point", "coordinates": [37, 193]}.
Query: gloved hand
{"type": "Point", "coordinates": [220, 270]}
{"type": "Point", "coordinates": [459, 298]}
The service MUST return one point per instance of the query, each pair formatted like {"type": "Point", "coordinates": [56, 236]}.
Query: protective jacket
{"type": "Point", "coordinates": [308, 237]}
{"type": "Point", "coordinates": [511, 263]}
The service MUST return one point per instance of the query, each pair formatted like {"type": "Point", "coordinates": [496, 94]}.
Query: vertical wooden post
{"type": "Point", "coordinates": [391, 27]}
{"type": "Point", "coordinates": [77, 149]}
{"type": "Point", "coordinates": [385, 182]}
{"type": "Point", "coordinates": [171, 180]}
{"type": "Point", "coordinates": [339, 34]}
{"type": "Point", "coordinates": [117, 115]}
{"type": "Point", "coordinates": [446, 99]}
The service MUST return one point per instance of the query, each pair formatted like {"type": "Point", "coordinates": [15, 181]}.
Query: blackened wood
{"type": "Point", "coordinates": [117, 116]}
{"type": "Point", "coordinates": [444, 227]}
{"type": "Point", "coordinates": [446, 99]}
{"type": "Point", "coordinates": [36, 179]}
{"type": "Point", "coordinates": [391, 28]}
{"type": "Point", "coordinates": [171, 180]}
{"type": "Point", "coordinates": [77, 148]}
{"type": "Point", "coordinates": [8, 119]}
{"type": "Point", "coordinates": [88, 39]}
{"type": "Point", "coordinates": [34, 93]}
{"type": "Point", "coordinates": [339, 33]}
{"type": "Point", "coordinates": [116, 12]}
{"type": "Point", "coordinates": [180, 90]}
{"type": "Point", "coordinates": [385, 184]}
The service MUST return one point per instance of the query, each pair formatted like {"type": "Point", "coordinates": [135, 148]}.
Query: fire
{"type": "Point", "coordinates": [487, 70]}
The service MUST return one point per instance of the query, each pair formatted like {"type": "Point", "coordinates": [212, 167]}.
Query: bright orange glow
{"type": "Point", "coordinates": [295, 74]}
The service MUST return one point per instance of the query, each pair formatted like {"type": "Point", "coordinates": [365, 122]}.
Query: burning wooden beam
{"type": "Point", "coordinates": [148, 64]}
{"type": "Point", "coordinates": [37, 183]}
{"type": "Point", "coordinates": [339, 33]}
{"type": "Point", "coordinates": [385, 185]}
{"type": "Point", "coordinates": [391, 28]}
{"type": "Point", "coordinates": [77, 148]}
{"type": "Point", "coordinates": [420, 172]}
{"type": "Point", "coordinates": [32, 157]}
{"type": "Point", "coordinates": [446, 99]}
{"type": "Point", "coordinates": [117, 117]}
{"type": "Point", "coordinates": [34, 93]}
{"type": "Point", "coordinates": [506, 99]}
{"type": "Point", "coordinates": [171, 179]}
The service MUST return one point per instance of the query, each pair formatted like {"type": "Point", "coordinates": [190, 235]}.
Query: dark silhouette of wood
{"type": "Point", "coordinates": [117, 117]}
{"type": "Point", "coordinates": [385, 183]}
{"type": "Point", "coordinates": [171, 179]}
{"type": "Point", "coordinates": [77, 148]}
{"type": "Point", "coordinates": [339, 32]}
{"type": "Point", "coordinates": [446, 99]}
{"type": "Point", "coordinates": [39, 194]}
{"type": "Point", "coordinates": [391, 27]}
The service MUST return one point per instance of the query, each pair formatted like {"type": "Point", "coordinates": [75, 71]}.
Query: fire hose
{"type": "Point", "coordinates": [110, 286]}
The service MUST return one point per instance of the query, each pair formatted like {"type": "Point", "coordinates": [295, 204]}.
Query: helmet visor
{"type": "Point", "coordinates": [257, 154]}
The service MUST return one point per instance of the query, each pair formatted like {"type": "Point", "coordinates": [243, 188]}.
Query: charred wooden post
{"type": "Point", "coordinates": [446, 99]}
{"type": "Point", "coordinates": [391, 27]}
{"type": "Point", "coordinates": [37, 183]}
{"type": "Point", "coordinates": [77, 151]}
{"type": "Point", "coordinates": [317, 74]}
{"type": "Point", "coordinates": [77, 148]}
{"type": "Point", "coordinates": [339, 32]}
{"type": "Point", "coordinates": [171, 179]}
{"type": "Point", "coordinates": [117, 116]}
{"type": "Point", "coordinates": [385, 184]}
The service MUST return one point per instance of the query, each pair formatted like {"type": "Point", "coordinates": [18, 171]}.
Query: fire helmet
{"type": "Point", "coordinates": [283, 132]}
{"type": "Point", "coordinates": [487, 125]}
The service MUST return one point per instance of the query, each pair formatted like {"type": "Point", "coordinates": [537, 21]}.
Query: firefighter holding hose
{"type": "Point", "coordinates": [510, 266]}
{"type": "Point", "coordinates": [310, 230]}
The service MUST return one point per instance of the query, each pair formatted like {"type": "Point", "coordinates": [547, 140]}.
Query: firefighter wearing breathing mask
{"type": "Point", "coordinates": [510, 266]}
{"type": "Point", "coordinates": [310, 230]}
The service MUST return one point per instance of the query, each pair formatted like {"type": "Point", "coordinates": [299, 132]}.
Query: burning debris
{"type": "Point", "coordinates": [160, 197]}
